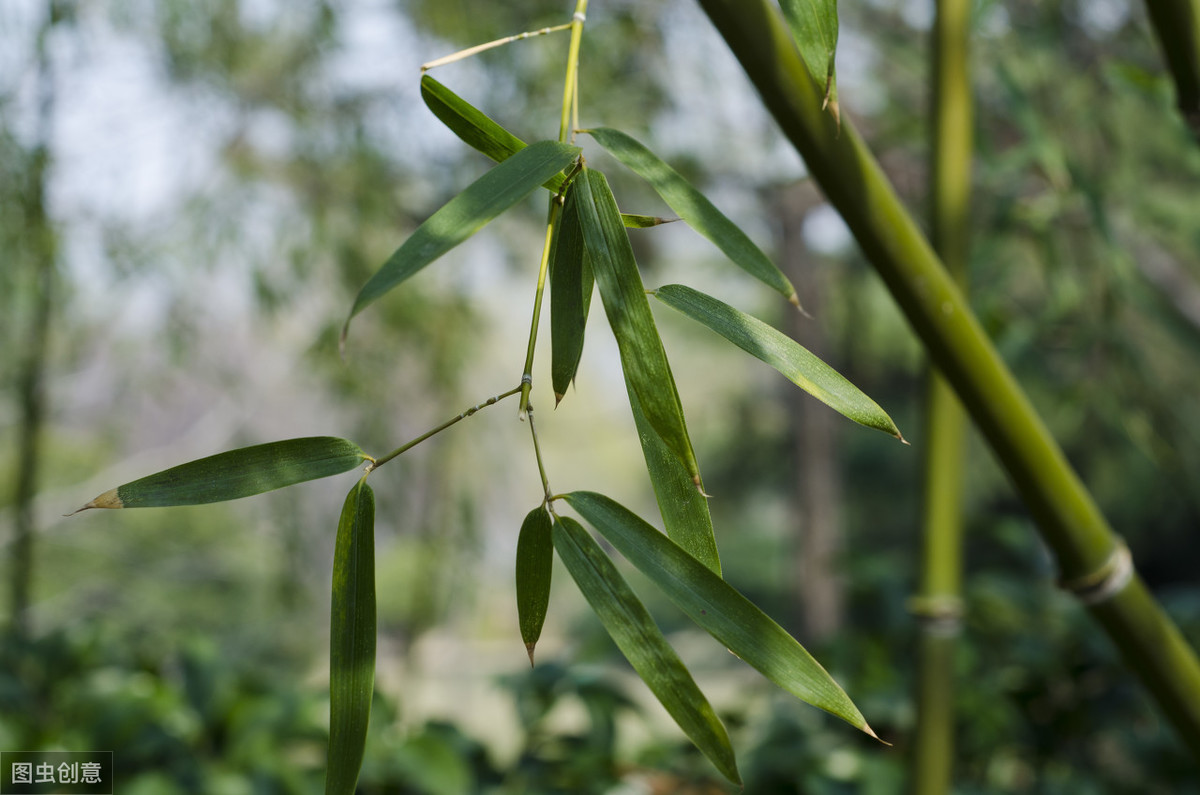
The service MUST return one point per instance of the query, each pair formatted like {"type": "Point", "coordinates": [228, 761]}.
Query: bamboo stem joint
{"type": "Point", "coordinates": [1105, 582]}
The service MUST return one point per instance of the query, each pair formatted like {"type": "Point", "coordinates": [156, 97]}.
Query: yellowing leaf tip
{"type": "Point", "coordinates": [108, 499]}
{"type": "Point", "coordinates": [794, 300]}
{"type": "Point", "coordinates": [866, 728]}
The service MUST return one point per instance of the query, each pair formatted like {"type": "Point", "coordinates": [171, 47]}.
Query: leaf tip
{"type": "Point", "coordinates": [866, 728]}
{"type": "Point", "coordinates": [900, 436]}
{"type": "Point", "coordinates": [558, 396]}
{"type": "Point", "coordinates": [529, 650]}
{"type": "Point", "coordinates": [342, 339]}
{"type": "Point", "coordinates": [108, 499]}
{"type": "Point", "coordinates": [830, 100]}
{"type": "Point", "coordinates": [794, 300]}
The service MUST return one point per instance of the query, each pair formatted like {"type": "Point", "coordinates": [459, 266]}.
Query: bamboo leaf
{"type": "Point", "coordinates": [683, 508]}
{"type": "Point", "coordinates": [351, 640]}
{"type": "Point", "coordinates": [237, 473]}
{"type": "Point", "coordinates": [465, 214]}
{"type": "Point", "coordinates": [695, 209]}
{"type": "Point", "coordinates": [716, 606]}
{"type": "Point", "coordinates": [474, 127]}
{"type": "Point", "coordinates": [643, 644]}
{"type": "Point", "coordinates": [484, 134]}
{"type": "Point", "coordinates": [783, 353]}
{"type": "Point", "coordinates": [571, 285]}
{"type": "Point", "coordinates": [814, 25]}
{"type": "Point", "coordinates": [647, 373]}
{"type": "Point", "coordinates": [535, 556]}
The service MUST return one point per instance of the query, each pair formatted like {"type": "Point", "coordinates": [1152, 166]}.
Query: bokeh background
{"type": "Point", "coordinates": [191, 192]}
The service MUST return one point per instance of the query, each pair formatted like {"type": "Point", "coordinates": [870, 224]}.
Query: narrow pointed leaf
{"type": "Point", "coordinates": [535, 556]}
{"type": "Point", "coordinates": [643, 359]}
{"type": "Point", "coordinates": [780, 351]}
{"type": "Point", "coordinates": [684, 509]}
{"type": "Point", "coordinates": [571, 284]}
{"type": "Point", "coordinates": [814, 25]}
{"type": "Point", "coordinates": [467, 213]}
{"type": "Point", "coordinates": [237, 473]}
{"type": "Point", "coordinates": [643, 644]}
{"type": "Point", "coordinates": [695, 209]}
{"type": "Point", "coordinates": [484, 134]}
{"type": "Point", "coordinates": [717, 607]}
{"type": "Point", "coordinates": [351, 640]}
{"type": "Point", "coordinates": [474, 127]}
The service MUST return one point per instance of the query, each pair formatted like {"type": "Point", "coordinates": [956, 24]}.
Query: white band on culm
{"type": "Point", "coordinates": [579, 17]}
{"type": "Point", "coordinates": [1105, 582]}
{"type": "Point", "coordinates": [939, 615]}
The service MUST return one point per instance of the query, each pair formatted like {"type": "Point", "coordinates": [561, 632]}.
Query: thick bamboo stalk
{"type": "Point", "coordinates": [1089, 555]}
{"type": "Point", "coordinates": [939, 595]}
{"type": "Point", "coordinates": [1177, 25]}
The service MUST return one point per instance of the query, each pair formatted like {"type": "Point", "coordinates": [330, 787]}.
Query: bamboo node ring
{"type": "Point", "coordinates": [1105, 582]}
{"type": "Point", "coordinates": [940, 615]}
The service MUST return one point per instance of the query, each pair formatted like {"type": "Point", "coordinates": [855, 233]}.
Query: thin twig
{"type": "Point", "coordinates": [537, 452]}
{"type": "Point", "coordinates": [409, 445]}
{"type": "Point", "coordinates": [478, 48]}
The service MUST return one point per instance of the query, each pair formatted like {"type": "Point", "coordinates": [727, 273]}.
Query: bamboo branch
{"type": "Point", "coordinates": [1068, 518]}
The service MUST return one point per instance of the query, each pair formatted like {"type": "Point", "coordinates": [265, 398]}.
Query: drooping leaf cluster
{"type": "Point", "coordinates": [588, 248]}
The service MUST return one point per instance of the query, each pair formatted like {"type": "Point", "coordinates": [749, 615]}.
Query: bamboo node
{"type": "Point", "coordinates": [939, 615]}
{"type": "Point", "coordinates": [1105, 582]}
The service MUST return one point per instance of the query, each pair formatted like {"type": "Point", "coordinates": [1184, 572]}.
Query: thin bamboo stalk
{"type": "Point", "coordinates": [939, 596]}
{"type": "Point", "coordinates": [1090, 556]}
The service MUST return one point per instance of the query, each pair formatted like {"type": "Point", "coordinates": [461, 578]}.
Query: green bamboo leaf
{"type": "Point", "coordinates": [474, 127]}
{"type": "Point", "coordinates": [237, 473]}
{"type": "Point", "coordinates": [695, 209]}
{"type": "Point", "coordinates": [783, 353]}
{"type": "Point", "coordinates": [466, 214]}
{"type": "Point", "coordinates": [571, 283]}
{"type": "Point", "coordinates": [643, 644]}
{"type": "Point", "coordinates": [484, 134]}
{"type": "Point", "coordinates": [683, 508]}
{"type": "Point", "coordinates": [715, 605]}
{"type": "Point", "coordinates": [814, 25]}
{"type": "Point", "coordinates": [351, 640]}
{"type": "Point", "coordinates": [535, 556]}
{"type": "Point", "coordinates": [643, 359]}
